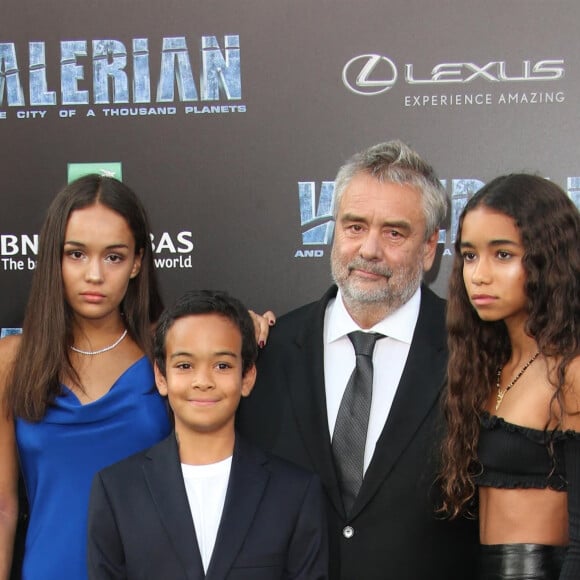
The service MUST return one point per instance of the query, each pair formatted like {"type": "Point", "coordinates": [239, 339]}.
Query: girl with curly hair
{"type": "Point", "coordinates": [511, 455]}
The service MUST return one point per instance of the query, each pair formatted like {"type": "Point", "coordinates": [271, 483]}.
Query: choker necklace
{"type": "Point", "coordinates": [101, 350]}
{"type": "Point", "coordinates": [501, 392]}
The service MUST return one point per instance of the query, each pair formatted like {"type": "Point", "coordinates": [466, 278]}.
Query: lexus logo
{"type": "Point", "coordinates": [369, 74]}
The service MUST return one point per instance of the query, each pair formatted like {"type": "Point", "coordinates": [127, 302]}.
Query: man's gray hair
{"type": "Point", "coordinates": [396, 162]}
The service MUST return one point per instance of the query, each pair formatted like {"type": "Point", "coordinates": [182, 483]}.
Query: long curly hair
{"type": "Point", "coordinates": [549, 225]}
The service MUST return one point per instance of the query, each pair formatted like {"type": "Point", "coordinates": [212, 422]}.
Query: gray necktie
{"type": "Point", "coordinates": [350, 429]}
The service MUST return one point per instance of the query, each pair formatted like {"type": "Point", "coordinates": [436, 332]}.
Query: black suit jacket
{"type": "Point", "coordinates": [393, 532]}
{"type": "Point", "coordinates": [140, 523]}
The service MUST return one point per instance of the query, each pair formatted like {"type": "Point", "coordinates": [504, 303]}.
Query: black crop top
{"type": "Point", "coordinates": [512, 456]}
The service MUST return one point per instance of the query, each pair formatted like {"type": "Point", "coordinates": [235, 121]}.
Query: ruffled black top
{"type": "Point", "coordinates": [512, 456]}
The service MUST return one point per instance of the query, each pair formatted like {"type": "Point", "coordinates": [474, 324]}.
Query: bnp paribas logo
{"type": "Point", "coordinates": [107, 169]}
{"type": "Point", "coordinates": [316, 219]}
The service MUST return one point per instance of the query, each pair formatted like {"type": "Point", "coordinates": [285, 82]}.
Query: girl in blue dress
{"type": "Point", "coordinates": [78, 381]}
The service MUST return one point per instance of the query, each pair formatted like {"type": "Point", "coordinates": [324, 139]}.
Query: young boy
{"type": "Point", "coordinates": [204, 503]}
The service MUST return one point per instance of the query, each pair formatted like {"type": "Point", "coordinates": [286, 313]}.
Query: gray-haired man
{"type": "Point", "coordinates": [369, 421]}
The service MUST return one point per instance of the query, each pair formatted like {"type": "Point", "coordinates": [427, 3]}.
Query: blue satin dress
{"type": "Point", "coordinates": [60, 455]}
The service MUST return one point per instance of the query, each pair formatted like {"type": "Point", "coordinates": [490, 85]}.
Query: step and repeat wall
{"type": "Point", "coordinates": [230, 120]}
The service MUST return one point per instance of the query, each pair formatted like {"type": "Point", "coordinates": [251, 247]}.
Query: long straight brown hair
{"type": "Point", "coordinates": [43, 355]}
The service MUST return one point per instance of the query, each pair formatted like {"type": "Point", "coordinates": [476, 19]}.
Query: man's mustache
{"type": "Point", "coordinates": [378, 269]}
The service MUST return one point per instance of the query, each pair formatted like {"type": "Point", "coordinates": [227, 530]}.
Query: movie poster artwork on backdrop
{"type": "Point", "coordinates": [115, 78]}
{"type": "Point", "coordinates": [317, 223]}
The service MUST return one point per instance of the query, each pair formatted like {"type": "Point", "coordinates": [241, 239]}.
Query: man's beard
{"type": "Point", "coordinates": [400, 282]}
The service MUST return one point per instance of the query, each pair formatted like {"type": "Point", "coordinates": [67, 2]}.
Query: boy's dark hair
{"type": "Point", "coordinates": [208, 302]}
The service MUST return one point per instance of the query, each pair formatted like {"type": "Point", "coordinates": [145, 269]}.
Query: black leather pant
{"type": "Point", "coordinates": [521, 562]}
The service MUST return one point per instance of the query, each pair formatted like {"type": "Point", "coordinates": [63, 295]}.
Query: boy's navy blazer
{"type": "Point", "coordinates": [140, 524]}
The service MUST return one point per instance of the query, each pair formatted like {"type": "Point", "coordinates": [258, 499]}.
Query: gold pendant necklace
{"type": "Point", "coordinates": [501, 392]}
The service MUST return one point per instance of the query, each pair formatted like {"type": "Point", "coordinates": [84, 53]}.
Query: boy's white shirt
{"type": "Point", "coordinates": [206, 487]}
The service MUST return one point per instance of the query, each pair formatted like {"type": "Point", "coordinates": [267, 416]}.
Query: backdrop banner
{"type": "Point", "coordinates": [230, 120]}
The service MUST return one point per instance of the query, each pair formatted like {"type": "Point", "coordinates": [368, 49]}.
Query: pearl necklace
{"type": "Point", "coordinates": [101, 350]}
{"type": "Point", "coordinates": [501, 392]}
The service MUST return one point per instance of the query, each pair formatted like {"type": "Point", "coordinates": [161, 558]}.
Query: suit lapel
{"type": "Point", "coordinates": [418, 390]}
{"type": "Point", "coordinates": [248, 480]}
{"type": "Point", "coordinates": [162, 471]}
{"type": "Point", "coordinates": [307, 392]}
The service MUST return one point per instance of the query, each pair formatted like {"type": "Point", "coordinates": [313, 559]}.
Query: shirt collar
{"type": "Point", "coordinates": [399, 325]}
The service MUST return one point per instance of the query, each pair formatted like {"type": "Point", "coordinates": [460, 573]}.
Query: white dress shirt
{"type": "Point", "coordinates": [389, 358]}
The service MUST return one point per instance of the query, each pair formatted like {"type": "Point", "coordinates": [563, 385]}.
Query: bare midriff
{"type": "Point", "coordinates": [521, 516]}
